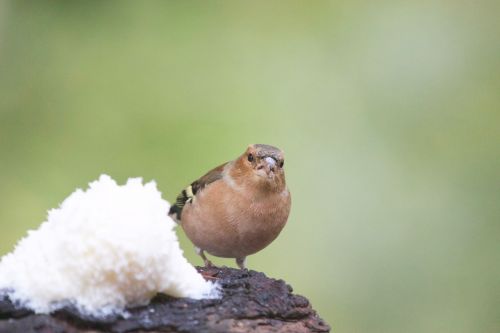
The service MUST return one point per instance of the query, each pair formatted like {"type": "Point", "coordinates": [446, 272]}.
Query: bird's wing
{"type": "Point", "coordinates": [188, 194]}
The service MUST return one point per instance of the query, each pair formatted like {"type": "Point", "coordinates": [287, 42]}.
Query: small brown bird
{"type": "Point", "coordinates": [238, 208]}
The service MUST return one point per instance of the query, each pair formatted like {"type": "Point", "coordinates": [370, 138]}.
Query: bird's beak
{"type": "Point", "coordinates": [270, 166]}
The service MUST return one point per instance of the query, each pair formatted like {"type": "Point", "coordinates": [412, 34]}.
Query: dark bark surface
{"type": "Point", "coordinates": [251, 302]}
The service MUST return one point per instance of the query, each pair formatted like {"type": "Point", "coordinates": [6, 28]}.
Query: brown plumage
{"type": "Point", "coordinates": [238, 208]}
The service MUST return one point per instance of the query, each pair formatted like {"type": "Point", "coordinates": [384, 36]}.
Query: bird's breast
{"type": "Point", "coordinates": [231, 223]}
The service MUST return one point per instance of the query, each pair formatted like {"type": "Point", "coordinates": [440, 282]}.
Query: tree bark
{"type": "Point", "coordinates": [250, 302]}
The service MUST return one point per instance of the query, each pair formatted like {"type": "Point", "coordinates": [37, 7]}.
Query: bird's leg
{"type": "Point", "coordinates": [201, 253]}
{"type": "Point", "coordinates": [241, 262]}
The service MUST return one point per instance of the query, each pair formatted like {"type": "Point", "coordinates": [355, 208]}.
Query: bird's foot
{"type": "Point", "coordinates": [209, 272]}
{"type": "Point", "coordinates": [208, 263]}
{"type": "Point", "coordinates": [201, 253]}
{"type": "Point", "coordinates": [209, 276]}
{"type": "Point", "coordinates": [241, 262]}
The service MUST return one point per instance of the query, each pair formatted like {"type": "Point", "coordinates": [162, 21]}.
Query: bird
{"type": "Point", "coordinates": [237, 208]}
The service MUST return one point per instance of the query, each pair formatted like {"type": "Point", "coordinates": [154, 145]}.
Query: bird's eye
{"type": "Point", "coordinates": [282, 163]}
{"type": "Point", "coordinates": [250, 157]}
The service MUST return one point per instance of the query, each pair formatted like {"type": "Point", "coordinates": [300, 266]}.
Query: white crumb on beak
{"type": "Point", "coordinates": [271, 161]}
{"type": "Point", "coordinates": [103, 249]}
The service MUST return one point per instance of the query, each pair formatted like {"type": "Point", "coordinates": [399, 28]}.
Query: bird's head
{"type": "Point", "coordinates": [263, 164]}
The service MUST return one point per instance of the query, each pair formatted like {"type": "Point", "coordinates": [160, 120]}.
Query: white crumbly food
{"type": "Point", "coordinates": [102, 250]}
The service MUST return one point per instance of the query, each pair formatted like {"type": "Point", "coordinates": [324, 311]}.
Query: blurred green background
{"type": "Point", "coordinates": [388, 113]}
